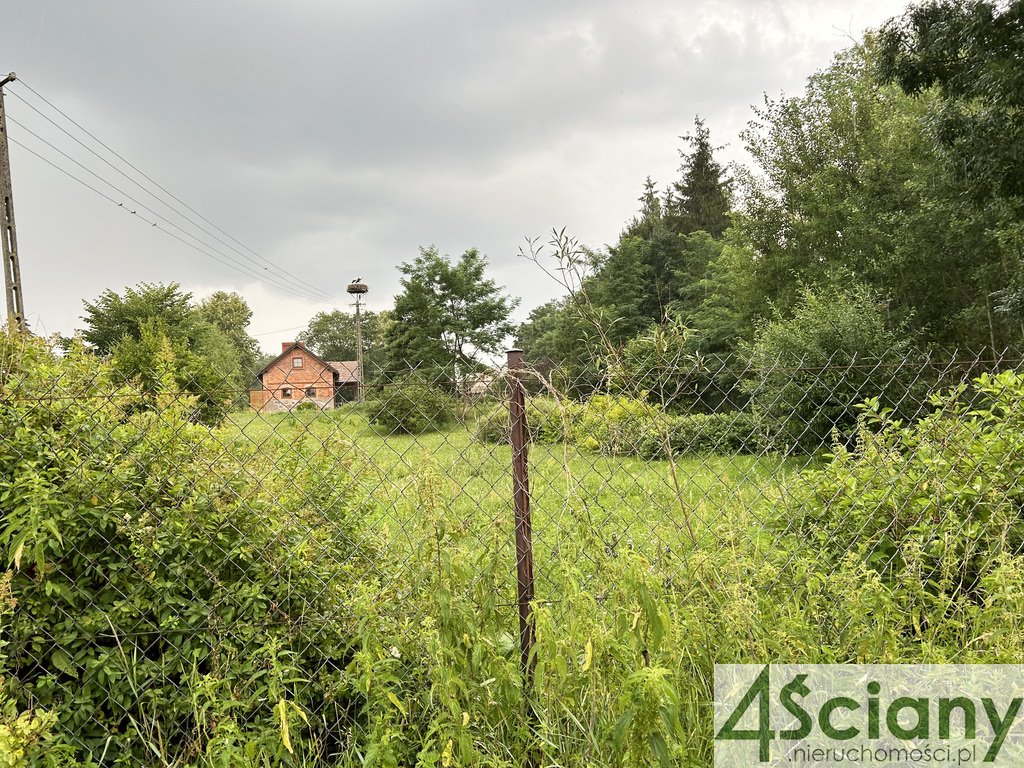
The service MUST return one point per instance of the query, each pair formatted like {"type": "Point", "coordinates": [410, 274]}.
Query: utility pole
{"type": "Point", "coordinates": [8, 234]}
{"type": "Point", "coordinates": [358, 289]}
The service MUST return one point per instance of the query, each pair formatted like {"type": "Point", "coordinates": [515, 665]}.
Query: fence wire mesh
{"type": "Point", "coordinates": [323, 571]}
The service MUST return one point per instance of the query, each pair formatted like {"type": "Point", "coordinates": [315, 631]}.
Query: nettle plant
{"type": "Point", "coordinates": [169, 582]}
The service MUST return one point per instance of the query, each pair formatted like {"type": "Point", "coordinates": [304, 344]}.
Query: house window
{"type": "Point", "coordinates": [286, 394]}
{"type": "Point", "coordinates": [296, 362]}
{"type": "Point", "coordinates": [310, 391]}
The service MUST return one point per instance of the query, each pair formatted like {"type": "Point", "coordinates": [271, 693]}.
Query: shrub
{"type": "Point", "coordinates": [412, 406]}
{"type": "Point", "coordinates": [936, 503]}
{"type": "Point", "coordinates": [211, 379]}
{"type": "Point", "coordinates": [619, 425]}
{"type": "Point", "coordinates": [809, 372]}
{"type": "Point", "coordinates": [169, 579]}
{"type": "Point", "coordinates": [734, 432]}
{"type": "Point", "coordinates": [546, 420]}
{"type": "Point", "coordinates": [493, 425]}
{"type": "Point", "coordinates": [26, 736]}
{"type": "Point", "coordinates": [665, 362]}
{"type": "Point", "coordinates": [614, 424]}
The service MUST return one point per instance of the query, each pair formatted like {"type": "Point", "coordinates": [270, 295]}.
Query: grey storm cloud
{"type": "Point", "coordinates": [340, 136]}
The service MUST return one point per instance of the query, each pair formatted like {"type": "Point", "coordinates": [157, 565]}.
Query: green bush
{"type": "Point", "coordinates": [936, 503]}
{"type": "Point", "coordinates": [619, 425]}
{"type": "Point", "coordinates": [26, 735]}
{"type": "Point", "coordinates": [212, 381]}
{"type": "Point", "coordinates": [170, 580]}
{"type": "Point", "coordinates": [614, 424]}
{"type": "Point", "coordinates": [493, 425]}
{"type": "Point", "coordinates": [411, 406]}
{"type": "Point", "coordinates": [809, 372]}
{"type": "Point", "coordinates": [665, 362]}
{"type": "Point", "coordinates": [734, 432]}
{"type": "Point", "coordinates": [623, 426]}
{"type": "Point", "coordinates": [546, 420]}
{"type": "Point", "coordinates": [181, 592]}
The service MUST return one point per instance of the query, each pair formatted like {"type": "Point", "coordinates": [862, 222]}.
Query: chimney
{"type": "Point", "coordinates": [285, 345]}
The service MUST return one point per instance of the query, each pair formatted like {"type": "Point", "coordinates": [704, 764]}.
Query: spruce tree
{"type": "Point", "coordinates": [700, 200]}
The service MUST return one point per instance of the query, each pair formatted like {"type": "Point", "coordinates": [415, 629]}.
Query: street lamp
{"type": "Point", "coordinates": [358, 289]}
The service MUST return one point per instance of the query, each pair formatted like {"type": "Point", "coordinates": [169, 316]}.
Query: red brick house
{"type": "Point", "coordinates": [298, 376]}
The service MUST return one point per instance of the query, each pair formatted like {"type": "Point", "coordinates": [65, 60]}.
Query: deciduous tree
{"type": "Point", "coordinates": [332, 335]}
{"type": "Point", "coordinates": [230, 314]}
{"type": "Point", "coordinates": [112, 316]}
{"type": "Point", "coordinates": [447, 314]}
{"type": "Point", "coordinates": [969, 51]}
{"type": "Point", "coordinates": [149, 321]}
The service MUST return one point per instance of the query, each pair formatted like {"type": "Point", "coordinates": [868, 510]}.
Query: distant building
{"type": "Point", "coordinates": [299, 376]}
{"type": "Point", "coordinates": [483, 383]}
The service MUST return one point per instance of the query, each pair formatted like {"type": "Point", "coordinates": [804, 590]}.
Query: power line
{"type": "Point", "coordinates": [302, 288]}
{"type": "Point", "coordinates": [135, 168]}
{"type": "Point", "coordinates": [85, 184]}
{"type": "Point", "coordinates": [149, 178]}
{"type": "Point", "coordinates": [155, 225]}
{"type": "Point", "coordinates": [279, 330]}
{"type": "Point", "coordinates": [233, 263]}
{"type": "Point", "coordinates": [282, 273]}
{"type": "Point", "coordinates": [129, 211]}
{"type": "Point", "coordinates": [274, 281]}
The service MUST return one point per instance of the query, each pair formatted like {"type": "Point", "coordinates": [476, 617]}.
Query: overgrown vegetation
{"type": "Point", "coordinates": [808, 372]}
{"type": "Point", "coordinates": [215, 358]}
{"type": "Point", "coordinates": [886, 190]}
{"type": "Point", "coordinates": [620, 426]}
{"type": "Point", "coordinates": [952, 483]}
{"type": "Point", "coordinates": [547, 419]}
{"type": "Point", "coordinates": [738, 455]}
{"type": "Point", "coordinates": [168, 587]}
{"type": "Point", "coordinates": [305, 589]}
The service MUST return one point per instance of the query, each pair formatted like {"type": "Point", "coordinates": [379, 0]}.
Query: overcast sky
{"type": "Point", "coordinates": [335, 138]}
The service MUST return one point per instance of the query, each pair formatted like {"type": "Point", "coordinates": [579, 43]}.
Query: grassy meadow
{"type": "Point", "coordinates": [648, 574]}
{"type": "Point", "coordinates": [656, 507]}
{"type": "Point", "coordinates": [629, 572]}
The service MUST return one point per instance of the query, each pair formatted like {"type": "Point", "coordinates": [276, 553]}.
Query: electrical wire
{"type": "Point", "coordinates": [162, 218]}
{"type": "Point", "coordinates": [278, 278]}
{"type": "Point", "coordinates": [279, 330]}
{"type": "Point", "coordinates": [282, 274]}
{"type": "Point", "coordinates": [152, 223]}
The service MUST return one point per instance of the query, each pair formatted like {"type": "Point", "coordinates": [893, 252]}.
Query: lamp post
{"type": "Point", "coordinates": [358, 288]}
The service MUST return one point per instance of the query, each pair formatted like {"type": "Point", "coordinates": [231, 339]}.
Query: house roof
{"type": "Point", "coordinates": [348, 371]}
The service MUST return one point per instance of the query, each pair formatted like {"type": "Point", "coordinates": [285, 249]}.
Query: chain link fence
{"type": "Point", "coordinates": [483, 567]}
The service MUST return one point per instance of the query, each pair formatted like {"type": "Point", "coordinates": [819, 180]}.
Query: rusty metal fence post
{"type": "Point", "coordinates": [521, 499]}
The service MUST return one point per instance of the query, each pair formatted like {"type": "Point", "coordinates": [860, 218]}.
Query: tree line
{"type": "Point", "coordinates": [446, 317]}
{"type": "Point", "coordinates": [890, 190]}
